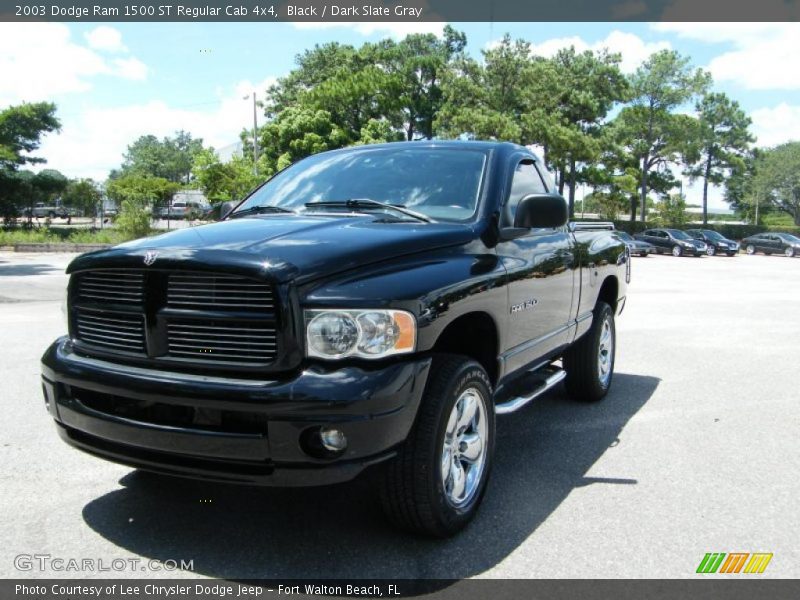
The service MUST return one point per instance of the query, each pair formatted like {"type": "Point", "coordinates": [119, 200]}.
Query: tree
{"type": "Point", "coordinates": [170, 158]}
{"type": "Point", "coordinates": [777, 179]}
{"type": "Point", "coordinates": [223, 181]}
{"type": "Point", "coordinates": [82, 194]}
{"type": "Point", "coordinates": [671, 210]}
{"type": "Point", "coordinates": [490, 100]}
{"type": "Point", "coordinates": [298, 132]}
{"type": "Point", "coordinates": [721, 142]}
{"type": "Point", "coordinates": [651, 129]}
{"type": "Point", "coordinates": [21, 130]}
{"type": "Point", "coordinates": [142, 190]}
{"type": "Point", "coordinates": [587, 86]}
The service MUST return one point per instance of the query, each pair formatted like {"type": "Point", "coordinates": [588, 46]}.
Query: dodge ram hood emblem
{"type": "Point", "coordinates": [150, 257]}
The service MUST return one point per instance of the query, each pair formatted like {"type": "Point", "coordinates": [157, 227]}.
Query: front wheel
{"type": "Point", "coordinates": [589, 363]}
{"type": "Point", "coordinates": [676, 251]}
{"type": "Point", "coordinates": [789, 252]}
{"type": "Point", "coordinates": [436, 483]}
{"type": "Point", "coordinates": [710, 250]}
{"type": "Point", "coordinates": [750, 249]}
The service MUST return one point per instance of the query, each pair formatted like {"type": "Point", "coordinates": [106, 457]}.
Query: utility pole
{"type": "Point", "coordinates": [255, 134]}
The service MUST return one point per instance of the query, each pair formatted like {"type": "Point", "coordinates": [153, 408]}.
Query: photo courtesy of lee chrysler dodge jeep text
{"type": "Point", "coordinates": [367, 308]}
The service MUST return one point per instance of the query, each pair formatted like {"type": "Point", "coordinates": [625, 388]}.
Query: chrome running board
{"type": "Point", "coordinates": [516, 403]}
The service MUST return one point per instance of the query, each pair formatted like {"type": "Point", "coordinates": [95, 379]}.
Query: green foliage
{"type": "Point", "coordinates": [82, 194]}
{"type": "Point", "coordinates": [171, 158]}
{"type": "Point", "coordinates": [140, 188]}
{"type": "Point", "coordinates": [21, 130]}
{"type": "Point", "coordinates": [670, 211]}
{"type": "Point", "coordinates": [220, 181]}
{"type": "Point", "coordinates": [777, 179]}
{"type": "Point", "coordinates": [720, 144]}
{"type": "Point", "coordinates": [649, 127]}
{"type": "Point", "coordinates": [134, 219]}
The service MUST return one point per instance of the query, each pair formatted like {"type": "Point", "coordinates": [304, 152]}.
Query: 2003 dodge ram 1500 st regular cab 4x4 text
{"type": "Point", "coordinates": [374, 306]}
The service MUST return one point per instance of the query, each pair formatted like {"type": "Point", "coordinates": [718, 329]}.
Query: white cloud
{"type": "Point", "coordinates": [776, 125]}
{"type": "Point", "coordinates": [762, 55]}
{"type": "Point", "coordinates": [634, 50]}
{"type": "Point", "coordinates": [39, 61]}
{"type": "Point", "coordinates": [130, 68]}
{"type": "Point", "coordinates": [395, 30]}
{"type": "Point", "coordinates": [105, 38]}
{"type": "Point", "coordinates": [92, 143]}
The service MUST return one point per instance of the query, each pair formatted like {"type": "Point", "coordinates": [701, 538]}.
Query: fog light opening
{"type": "Point", "coordinates": [333, 440]}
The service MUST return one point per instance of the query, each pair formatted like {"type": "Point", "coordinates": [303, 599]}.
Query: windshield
{"type": "Point", "coordinates": [788, 237]}
{"type": "Point", "coordinates": [625, 236]}
{"type": "Point", "coordinates": [713, 235]}
{"type": "Point", "coordinates": [441, 183]}
{"type": "Point", "coordinates": [678, 234]}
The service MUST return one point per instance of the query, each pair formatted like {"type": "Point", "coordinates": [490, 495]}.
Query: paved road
{"type": "Point", "coordinates": [695, 450]}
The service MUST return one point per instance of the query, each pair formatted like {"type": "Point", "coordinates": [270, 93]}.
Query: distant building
{"type": "Point", "coordinates": [226, 153]}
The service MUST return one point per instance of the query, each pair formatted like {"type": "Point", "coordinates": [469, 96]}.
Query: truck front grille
{"type": "Point", "coordinates": [183, 317]}
{"type": "Point", "coordinates": [111, 330]}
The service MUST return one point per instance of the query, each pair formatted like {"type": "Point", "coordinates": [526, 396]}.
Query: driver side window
{"type": "Point", "coordinates": [526, 181]}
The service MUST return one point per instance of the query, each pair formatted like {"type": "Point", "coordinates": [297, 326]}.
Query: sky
{"type": "Point", "coordinates": [115, 82]}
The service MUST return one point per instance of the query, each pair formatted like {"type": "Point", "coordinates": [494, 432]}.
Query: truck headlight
{"type": "Point", "coordinates": [376, 333]}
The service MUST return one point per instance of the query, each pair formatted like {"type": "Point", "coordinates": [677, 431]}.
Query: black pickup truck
{"type": "Point", "coordinates": [373, 307]}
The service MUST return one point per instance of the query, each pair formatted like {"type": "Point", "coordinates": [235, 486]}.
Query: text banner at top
{"type": "Point", "coordinates": [400, 10]}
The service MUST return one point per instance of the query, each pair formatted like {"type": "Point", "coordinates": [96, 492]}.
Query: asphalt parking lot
{"type": "Point", "coordinates": [695, 450]}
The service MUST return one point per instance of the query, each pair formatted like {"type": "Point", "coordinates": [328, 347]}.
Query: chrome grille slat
{"type": "Point", "coordinates": [111, 331]}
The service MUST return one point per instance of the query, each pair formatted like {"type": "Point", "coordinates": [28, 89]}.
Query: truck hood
{"type": "Point", "coordinates": [286, 247]}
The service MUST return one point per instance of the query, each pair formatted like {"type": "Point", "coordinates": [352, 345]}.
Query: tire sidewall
{"type": "Point", "coordinates": [604, 312]}
{"type": "Point", "coordinates": [750, 249]}
{"type": "Point", "coordinates": [471, 375]}
{"type": "Point", "coordinates": [677, 251]}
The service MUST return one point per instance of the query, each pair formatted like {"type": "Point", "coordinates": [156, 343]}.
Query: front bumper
{"type": "Point", "coordinates": [226, 429]}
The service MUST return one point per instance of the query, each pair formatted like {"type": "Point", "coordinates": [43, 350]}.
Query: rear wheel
{"type": "Point", "coordinates": [436, 483]}
{"type": "Point", "coordinates": [750, 249]}
{"type": "Point", "coordinates": [676, 251]}
{"type": "Point", "coordinates": [589, 363]}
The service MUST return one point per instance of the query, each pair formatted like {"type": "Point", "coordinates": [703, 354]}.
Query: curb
{"type": "Point", "coordinates": [59, 247]}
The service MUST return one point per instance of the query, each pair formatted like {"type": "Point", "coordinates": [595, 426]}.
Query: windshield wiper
{"type": "Point", "coordinates": [264, 208]}
{"type": "Point", "coordinates": [367, 203]}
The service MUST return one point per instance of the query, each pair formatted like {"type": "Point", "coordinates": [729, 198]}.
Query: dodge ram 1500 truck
{"type": "Point", "coordinates": [372, 307]}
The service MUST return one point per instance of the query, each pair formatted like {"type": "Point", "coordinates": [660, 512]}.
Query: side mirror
{"type": "Point", "coordinates": [541, 210]}
{"type": "Point", "coordinates": [225, 209]}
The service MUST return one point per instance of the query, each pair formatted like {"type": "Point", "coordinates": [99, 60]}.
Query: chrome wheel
{"type": "Point", "coordinates": [789, 252]}
{"type": "Point", "coordinates": [750, 249]}
{"type": "Point", "coordinates": [464, 448]}
{"type": "Point", "coordinates": [676, 251]}
{"type": "Point", "coordinates": [605, 353]}
{"type": "Point", "coordinates": [710, 250]}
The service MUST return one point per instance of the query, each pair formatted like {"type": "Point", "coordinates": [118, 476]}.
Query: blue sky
{"type": "Point", "coordinates": [114, 82]}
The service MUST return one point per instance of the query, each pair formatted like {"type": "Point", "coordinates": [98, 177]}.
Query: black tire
{"type": "Point", "coordinates": [584, 380]}
{"type": "Point", "coordinates": [789, 252]}
{"type": "Point", "coordinates": [677, 251]}
{"type": "Point", "coordinates": [412, 492]}
{"type": "Point", "coordinates": [51, 214]}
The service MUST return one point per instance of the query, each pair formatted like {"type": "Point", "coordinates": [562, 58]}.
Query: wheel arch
{"type": "Point", "coordinates": [476, 335]}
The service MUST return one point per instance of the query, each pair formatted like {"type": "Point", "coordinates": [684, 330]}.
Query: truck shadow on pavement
{"type": "Point", "coordinates": [236, 532]}
{"type": "Point", "coordinates": [17, 270]}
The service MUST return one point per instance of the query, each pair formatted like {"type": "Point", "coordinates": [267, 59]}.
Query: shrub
{"type": "Point", "coordinates": [133, 220]}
